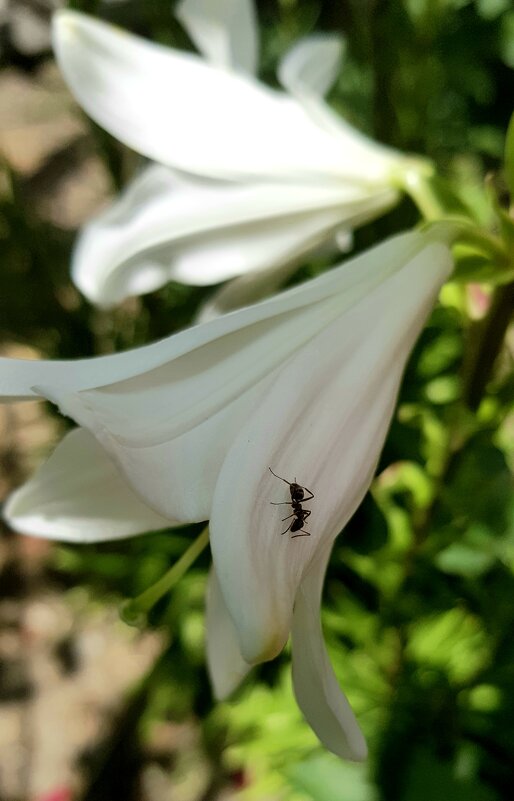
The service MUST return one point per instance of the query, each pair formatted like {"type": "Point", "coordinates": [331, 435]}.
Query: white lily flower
{"type": "Point", "coordinates": [250, 178]}
{"type": "Point", "coordinates": [186, 430]}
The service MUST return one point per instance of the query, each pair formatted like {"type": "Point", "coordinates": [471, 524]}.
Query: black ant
{"type": "Point", "coordinates": [297, 498]}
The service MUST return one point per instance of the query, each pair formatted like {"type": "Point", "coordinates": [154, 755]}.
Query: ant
{"type": "Point", "coordinates": [297, 498]}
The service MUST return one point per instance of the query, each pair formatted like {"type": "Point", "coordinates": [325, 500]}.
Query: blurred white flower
{"type": "Point", "coordinates": [265, 177]}
{"type": "Point", "coordinates": [186, 429]}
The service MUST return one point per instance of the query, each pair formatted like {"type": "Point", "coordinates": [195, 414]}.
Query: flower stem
{"type": "Point", "coordinates": [134, 611]}
{"type": "Point", "coordinates": [421, 191]}
{"type": "Point", "coordinates": [489, 335]}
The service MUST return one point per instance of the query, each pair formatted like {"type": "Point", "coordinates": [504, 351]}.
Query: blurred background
{"type": "Point", "coordinates": [419, 599]}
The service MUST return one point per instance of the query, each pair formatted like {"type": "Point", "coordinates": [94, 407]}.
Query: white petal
{"type": "Point", "coordinates": [178, 110]}
{"type": "Point", "coordinates": [167, 413]}
{"type": "Point", "coordinates": [168, 429]}
{"type": "Point", "coordinates": [225, 31]}
{"type": "Point", "coordinates": [166, 227]}
{"type": "Point", "coordinates": [244, 290]}
{"type": "Point", "coordinates": [78, 495]}
{"type": "Point", "coordinates": [22, 379]}
{"type": "Point", "coordinates": [311, 66]}
{"type": "Point", "coordinates": [175, 473]}
{"type": "Point", "coordinates": [317, 691]}
{"type": "Point", "coordinates": [179, 383]}
{"type": "Point", "coordinates": [322, 423]}
{"type": "Point", "coordinates": [260, 284]}
{"type": "Point", "coordinates": [226, 666]}
{"type": "Point", "coordinates": [308, 71]}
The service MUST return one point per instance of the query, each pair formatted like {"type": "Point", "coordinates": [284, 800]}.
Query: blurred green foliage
{"type": "Point", "coordinates": [419, 598]}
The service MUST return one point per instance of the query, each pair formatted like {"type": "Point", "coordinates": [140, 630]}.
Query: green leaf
{"type": "Point", "coordinates": [472, 266]}
{"type": "Point", "coordinates": [490, 9]}
{"type": "Point", "coordinates": [460, 559]}
{"type": "Point", "coordinates": [325, 778]}
{"type": "Point", "coordinates": [480, 489]}
{"type": "Point", "coordinates": [430, 779]}
{"type": "Point", "coordinates": [453, 641]}
{"type": "Point", "coordinates": [479, 255]}
{"type": "Point", "coordinates": [507, 39]}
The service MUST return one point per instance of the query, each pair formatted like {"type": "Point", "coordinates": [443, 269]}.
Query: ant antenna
{"type": "Point", "coordinates": [280, 477]}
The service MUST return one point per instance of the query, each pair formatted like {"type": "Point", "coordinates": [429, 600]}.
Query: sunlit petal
{"type": "Point", "coordinates": [322, 423]}
{"type": "Point", "coordinates": [167, 227]}
{"type": "Point", "coordinates": [244, 290]}
{"type": "Point", "coordinates": [259, 284]}
{"type": "Point", "coordinates": [22, 379]}
{"type": "Point", "coordinates": [218, 420]}
{"type": "Point", "coordinates": [78, 495]}
{"type": "Point", "coordinates": [168, 413]}
{"type": "Point", "coordinates": [312, 65]}
{"type": "Point", "coordinates": [226, 666]}
{"type": "Point", "coordinates": [174, 464]}
{"type": "Point", "coordinates": [317, 691]}
{"type": "Point", "coordinates": [178, 110]}
{"type": "Point", "coordinates": [225, 31]}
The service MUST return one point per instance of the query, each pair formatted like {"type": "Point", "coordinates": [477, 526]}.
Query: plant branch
{"type": "Point", "coordinates": [486, 341]}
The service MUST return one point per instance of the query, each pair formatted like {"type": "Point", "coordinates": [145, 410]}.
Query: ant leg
{"type": "Point", "coordinates": [280, 503]}
{"type": "Point", "coordinates": [287, 529]}
{"type": "Point", "coordinates": [280, 477]}
{"type": "Point", "coordinates": [311, 496]}
{"type": "Point", "coordinates": [303, 534]}
{"type": "Point", "coordinates": [306, 513]}
{"type": "Point", "coordinates": [287, 518]}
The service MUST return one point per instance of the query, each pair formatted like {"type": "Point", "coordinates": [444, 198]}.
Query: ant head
{"type": "Point", "coordinates": [297, 493]}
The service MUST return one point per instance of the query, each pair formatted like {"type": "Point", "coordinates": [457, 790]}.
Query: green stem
{"type": "Point", "coordinates": [489, 244]}
{"type": "Point", "coordinates": [419, 188]}
{"type": "Point", "coordinates": [134, 610]}
{"type": "Point", "coordinates": [488, 336]}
